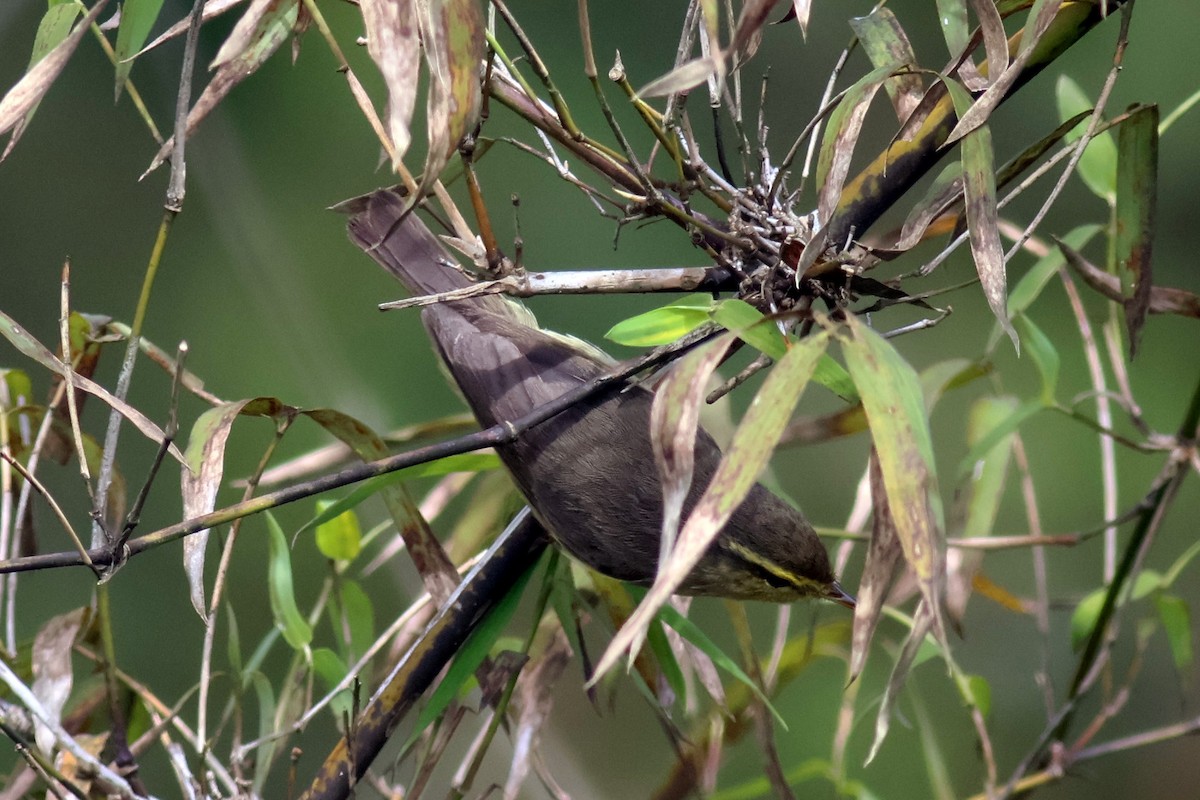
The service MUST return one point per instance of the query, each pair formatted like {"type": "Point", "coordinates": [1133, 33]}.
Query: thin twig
{"type": "Point", "coordinates": [54, 506]}
{"type": "Point", "coordinates": [170, 431]}
{"type": "Point", "coordinates": [64, 330]}
{"type": "Point", "coordinates": [109, 780]}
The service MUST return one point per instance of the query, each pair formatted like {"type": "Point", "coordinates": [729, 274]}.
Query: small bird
{"type": "Point", "coordinates": [589, 472]}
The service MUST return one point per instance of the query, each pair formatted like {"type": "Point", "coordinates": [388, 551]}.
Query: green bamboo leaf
{"type": "Point", "coordinates": [987, 484]}
{"type": "Point", "coordinates": [233, 644]}
{"type": "Point", "coordinates": [1098, 164]}
{"type": "Point", "coordinates": [339, 538]}
{"type": "Point", "coordinates": [360, 618]}
{"type": "Point", "coordinates": [931, 751]}
{"type": "Point", "coordinates": [895, 409]}
{"type": "Point", "coordinates": [662, 325]}
{"type": "Point", "coordinates": [945, 376]}
{"type": "Point", "coordinates": [53, 27]}
{"type": "Point", "coordinates": [18, 388]}
{"type": "Point", "coordinates": [1137, 190]}
{"type": "Point", "coordinates": [692, 632]}
{"type": "Point", "coordinates": [952, 14]}
{"type": "Point", "coordinates": [288, 619]}
{"type": "Point", "coordinates": [1030, 286]}
{"type": "Point", "coordinates": [137, 18]}
{"type": "Point", "coordinates": [656, 640]}
{"type": "Point", "coordinates": [1087, 612]}
{"type": "Point", "coordinates": [470, 656]}
{"type": "Point", "coordinates": [1180, 564]}
{"type": "Point", "coordinates": [1045, 357]}
{"type": "Point", "coordinates": [750, 326]}
{"type": "Point", "coordinates": [833, 376]}
{"type": "Point", "coordinates": [330, 668]}
{"type": "Point", "coordinates": [977, 692]}
{"type": "Point", "coordinates": [1001, 430]}
{"type": "Point", "coordinates": [1176, 620]}
{"type": "Point", "coordinates": [462, 462]}
{"type": "Point", "coordinates": [266, 724]}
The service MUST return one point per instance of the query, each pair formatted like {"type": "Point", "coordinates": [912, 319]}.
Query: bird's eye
{"type": "Point", "coordinates": [772, 579]}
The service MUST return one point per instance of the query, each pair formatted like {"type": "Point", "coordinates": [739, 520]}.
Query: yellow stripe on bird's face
{"type": "Point", "coordinates": [775, 579]}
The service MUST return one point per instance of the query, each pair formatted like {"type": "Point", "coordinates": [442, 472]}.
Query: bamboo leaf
{"type": "Point", "coordinates": [339, 538]}
{"type": "Point", "coordinates": [1137, 191]}
{"type": "Point", "coordinates": [137, 18]}
{"type": "Point", "coordinates": [895, 408]}
{"type": "Point", "coordinates": [1098, 164]}
{"type": "Point", "coordinates": [983, 216]}
{"type": "Point", "coordinates": [288, 619]}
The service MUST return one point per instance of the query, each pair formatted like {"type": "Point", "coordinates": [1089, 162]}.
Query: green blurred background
{"type": "Point", "coordinates": [259, 279]}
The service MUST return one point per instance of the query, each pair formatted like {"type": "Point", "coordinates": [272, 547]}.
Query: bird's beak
{"type": "Point", "coordinates": [837, 594]}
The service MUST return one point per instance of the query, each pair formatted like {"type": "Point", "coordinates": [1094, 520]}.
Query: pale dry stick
{"type": "Point", "coordinates": [783, 622]}
{"type": "Point", "coordinates": [979, 542]}
{"type": "Point", "coordinates": [986, 750]}
{"type": "Point", "coordinates": [330, 455]}
{"type": "Point", "coordinates": [687, 141]}
{"type": "Point", "coordinates": [1012, 542]}
{"type": "Point", "coordinates": [1104, 409]}
{"type": "Point", "coordinates": [7, 522]}
{"type": "Point", "coordinates": [1056, 772]}
{"type": "Point", "coordinates": [21, 786]}
{"type": "Point", "coordinates": [170, 431]}
{"type": "Point", "coordinates": [110, 781]}
{"type": "Point", "coordinates": [600, 281]}
{"type": "Point", "coordinates": [438, 741]}
{"type": "Point", "coordinates": [158, 356]}
{"type": "Point", "coordinates": [500, 433]}
{"type": "Point", "coordinates": [1094, 122]}
{"type": "Point", "coordinates": [828, 101]}
{"type": "Point", "coordinates": [175, 754]}
{"type": "Point", "coordinates": [158, 708]}
{"type": "Point", "coordinates": [418, 606]}
{"type": "Point", "coordinates": [592, 74]}
{"type": "Point", "coordinates": [64, 320]}
{"type": "Point", "coordinates": [183, 773]}
{"type": "Point", "coordinates": [560, 166]}
{"type": "Point", "coordinates": [856, 521]}
{"type": "Point", "coordinates": [764, 727]}
{"type": "Point", "coordinates": [9, 591]}
{"type": "Point", "coordinates": [687, 40]}
{"type": "Point", "coordinates": [1104, 416]}
{"type": "Point", "coordinates": [1069, 152]}
{"type": "Point", "coordinates": [173, 205]}
{"type": "Point", "coordinates": [1112, 341]}
{"type": "Point", "coordinates": [1098, 649]}
{"type": "Point", "coordinates": [54, 507]}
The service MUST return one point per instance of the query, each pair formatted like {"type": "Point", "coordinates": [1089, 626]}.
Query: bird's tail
{"type": "Point", "coordinates": [400, 242]}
